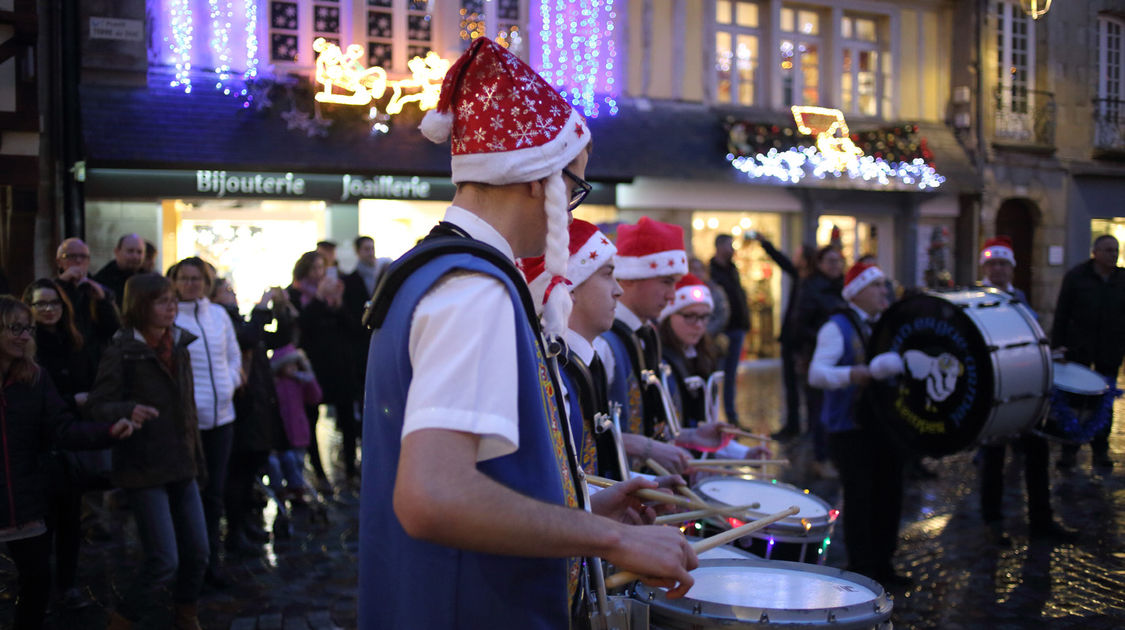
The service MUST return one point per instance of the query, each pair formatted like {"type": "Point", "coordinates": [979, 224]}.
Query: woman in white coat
{"type": "Point", "coordinates": [216, 364]}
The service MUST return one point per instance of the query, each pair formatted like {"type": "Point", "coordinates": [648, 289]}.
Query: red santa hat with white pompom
{"type": "Point", "coordinates": [507, 125]}
{"type": "Point", "coordinates": [589, 250]}
{"type": "Point", "coordinates": [858, 277]}
{"type": "Point", "coordinates": [689, 290]}
{"type": "Point", "coordinates": [998, 248]}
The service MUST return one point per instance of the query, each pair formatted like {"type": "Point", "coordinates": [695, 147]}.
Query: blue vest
{"type": "Point", "coordinates": [408, 583]}
{"type": "Point", "coordinates": [838, 411]}
{"type": "Point", "coordinates": [626, 387]}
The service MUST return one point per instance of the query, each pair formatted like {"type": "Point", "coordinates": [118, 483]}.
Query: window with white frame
{"type": "Point", "coordinates": [801, 45]}
{"type": "Point", "coordinates": [501, 20]}
{"type": "Point", "coordinates": [737, 51]}
{"type": "Point", "coordinates": [862, 83]}
{"type": "Point", "coordinates": [390, 31]}
{"type": "Point", "coordinates": [1015, 57]}
{"type": "Point", "coordinates": [1110, 89]}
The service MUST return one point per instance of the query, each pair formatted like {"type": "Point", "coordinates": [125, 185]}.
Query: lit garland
{"type": "Point", "coordinates": [251, 72]}
{"type": "Point", "coordinates": [793, 165]}
{"type": "Point", "coordinates": [220, 42]}
{"type": "Point", "coordinates": [578, 52]}
{"type": "Point", "coordinates": [181, 43]}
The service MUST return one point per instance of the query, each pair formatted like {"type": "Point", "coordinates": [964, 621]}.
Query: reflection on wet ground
{"type": "Point", "coordinates": [307, 579]}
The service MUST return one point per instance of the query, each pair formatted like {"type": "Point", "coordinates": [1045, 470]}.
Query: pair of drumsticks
{"type": "Point", "coordinates": [691, 499]}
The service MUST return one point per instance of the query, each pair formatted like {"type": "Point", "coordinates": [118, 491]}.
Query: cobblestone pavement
{"type": "Point", "coordinates": [962, 581]}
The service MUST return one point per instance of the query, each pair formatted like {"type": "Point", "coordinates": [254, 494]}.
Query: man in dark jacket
{"type": "Point", "coordinates": [95, 314]}
{"type": "Point", "coordinates": [128, 257]}
{"type": "Point", "coordinates": [725, 274]}
{"type": "Point", "coordinates": [1089, 326]}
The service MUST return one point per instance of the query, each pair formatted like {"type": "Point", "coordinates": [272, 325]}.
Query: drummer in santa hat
{"type": "Point", "coordinates": [469, 508]}
{"type": "Point", "coordinates": [650, 259]}
{"type": "Point", "coordinates": [870, 466]}
{"type": "Point", "coordinates": [998, 262]}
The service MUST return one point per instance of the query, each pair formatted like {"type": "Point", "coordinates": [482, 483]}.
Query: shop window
{"type": "Point", "coordinates": [736, 51]}
{"type": "Point", "coordinates": [863, 82]}
{"type": "Point", "coordinates": [800, 56]}
{"type": "Point", "coordinates": [499, 19]}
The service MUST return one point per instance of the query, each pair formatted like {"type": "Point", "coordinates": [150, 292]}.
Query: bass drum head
{"type": "Point", "coordinates": [942, 402]}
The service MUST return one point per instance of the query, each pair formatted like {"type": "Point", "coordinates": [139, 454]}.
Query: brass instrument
{"type": "Point", "coordinates": [672, 427]}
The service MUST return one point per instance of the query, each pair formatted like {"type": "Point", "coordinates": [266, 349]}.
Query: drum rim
{"type": "Point", "coordinates": [794, 521]}
{"type": "Point", "coordinates": [859, 615]}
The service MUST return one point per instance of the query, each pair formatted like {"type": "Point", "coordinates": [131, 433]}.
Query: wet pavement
{"type": "Point", "coordinates": [307, 580]}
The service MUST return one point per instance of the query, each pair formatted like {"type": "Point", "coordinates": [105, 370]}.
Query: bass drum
{"type": "Point", "coordinates": [978, 367]}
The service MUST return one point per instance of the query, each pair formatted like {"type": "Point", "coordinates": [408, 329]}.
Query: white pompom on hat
{"type": "Point", "coordinates": [998, 248]}
{"type": "Point", "coordinates": [858, 277]}
{"type": "Point", "coordinates": [689, 290]}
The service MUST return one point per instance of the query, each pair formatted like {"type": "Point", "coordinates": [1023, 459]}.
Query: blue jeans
{"type": "Point", "coordinates": [730, 372]}
{"type": "Point", "coordinates": [174, 537]}
{"type": "Point", "coordinates": [288, 465]}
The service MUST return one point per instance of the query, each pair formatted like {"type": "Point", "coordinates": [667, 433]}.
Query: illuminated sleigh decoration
{"type": "Point", "coordinates": [831, 130]}
{"type": "Point", "coordinates": [347, 81]}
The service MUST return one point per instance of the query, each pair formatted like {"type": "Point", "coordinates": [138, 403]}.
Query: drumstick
{"type": "Point", "coordinates": [696, 514]}
{"type": "Point", "coordinates": [624, 577]}
{"type": "Point", "coordinates": [644, 493]}
{"type": "Point", "coordinates": [726, 428]}
{"type": "Point", "coordinates": [680, 488]}
{"type": "Point", "coordinates": [737, 462]}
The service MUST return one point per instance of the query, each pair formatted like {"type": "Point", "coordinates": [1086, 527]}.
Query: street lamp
{"type": "Point", "coordinates": [1035, 8]}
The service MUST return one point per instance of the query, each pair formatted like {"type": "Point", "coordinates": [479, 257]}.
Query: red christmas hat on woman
{"type": "Point", "coordinates": [509, 126]}
{"type": "Point", "coordinates": [689, 290]}
{"type": "Point", "coordinates": [858, 277]}
{"type": "Point", "coordinates": [589, 250]}
{"type": "Point", "coordinates": [998, 248]}
{"type": "Point", "coordinates": [650, 249]}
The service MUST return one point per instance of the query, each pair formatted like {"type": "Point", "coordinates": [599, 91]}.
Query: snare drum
{"type": "Point", "coordinates": [977, 367]}
{"type": "Point", "coordinates": [1081, 405]}
{"type": "Point", "coordinates": [803, 537]}
{"type": "Point", "coordinates": [740, 594]}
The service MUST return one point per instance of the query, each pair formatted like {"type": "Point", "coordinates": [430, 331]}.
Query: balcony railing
{"type": "Point", "coordinates": [1024, 116]}
{"type": "Point", "coordinates": [1109, 124]}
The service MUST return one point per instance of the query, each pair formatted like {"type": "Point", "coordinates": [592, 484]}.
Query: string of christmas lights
{"type": "Point", "coordinates": [578, 52]}
{"type": "Point", "coordinates": [181, 43]}
{"type": "Point", "coordinates": [251, 72]}
{"type": "Point", "coordinates": [220, 41]}
{"type": "Point", "coordinates": [793, 165]}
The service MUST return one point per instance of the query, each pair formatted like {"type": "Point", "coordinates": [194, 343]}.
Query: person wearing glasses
{"type": "Point", "coordinates": [35, 421]}
{"type": "Point", "coordinates": [95, 313]}
{"type": "Point", "coordinates": [468, 468]}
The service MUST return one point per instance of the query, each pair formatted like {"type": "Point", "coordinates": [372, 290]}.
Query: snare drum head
{"type": "Point", "coordinates": [731, 591]}
{"type": "Point", "coordinates": [773, 497]}
{"type": "Point", "coordinates": [1078, 379]}
{"type": "Point", "coordinates": [942, 402]}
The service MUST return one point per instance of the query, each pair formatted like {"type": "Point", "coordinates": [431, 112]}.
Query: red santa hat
{"type": "Point", "coordinates": [858, 277]}
{"type": "Point", "coordinates": [650, 249]}
{"type": "Point", "coordinates": [689, 290]}
{"type": "Point", "coordinates": [589, 250]}
{"type": "Point", "coordinates": [509, 126]}
{"type": "Point", "coordinates": [998, 248]}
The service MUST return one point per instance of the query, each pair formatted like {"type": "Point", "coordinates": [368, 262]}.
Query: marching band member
{"type": "Point", "coordinates": [594, 292]}
{"type": "Point", "coordinates": [998, 261]}
{"type": "Point", "coordinates": [871, 468]}
{"type": "Point", "coordinates": [469, 510]}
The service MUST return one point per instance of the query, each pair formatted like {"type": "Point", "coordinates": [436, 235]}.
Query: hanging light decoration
{"type": "Point", "coordinates": [1035, 8]}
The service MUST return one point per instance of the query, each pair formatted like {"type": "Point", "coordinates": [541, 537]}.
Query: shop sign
{"type": "Point", "coordinates": [117, 28]}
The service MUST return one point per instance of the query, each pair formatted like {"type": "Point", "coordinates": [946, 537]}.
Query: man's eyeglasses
{"type": "Point", "coordinates": [18, 330]}
{"type": "Point", "coordinates": [695, 318]}
{"type": "Point", "coordinates": [46, 305]}
{"type": "Point", "coordinates": [579, 192]}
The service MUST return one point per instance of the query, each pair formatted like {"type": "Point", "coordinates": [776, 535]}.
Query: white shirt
{"type": "Point", "coordinates": [463, 353]}
{"type": "Point", "coordinates": [823, 371]}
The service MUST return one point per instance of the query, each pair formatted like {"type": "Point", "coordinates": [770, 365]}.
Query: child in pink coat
{"type": "Point", "coordinates": [296, 389]}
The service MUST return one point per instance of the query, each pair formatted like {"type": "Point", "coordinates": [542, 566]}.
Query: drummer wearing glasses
{"type": "Point", "coordinates": [870, 466]}
{"type": "Point", "coordinates": [998, 261]}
